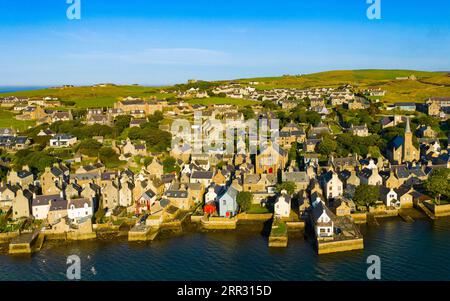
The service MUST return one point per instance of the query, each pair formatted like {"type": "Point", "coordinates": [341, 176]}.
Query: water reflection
{"type": "Point", "coordinates": [409, 251]}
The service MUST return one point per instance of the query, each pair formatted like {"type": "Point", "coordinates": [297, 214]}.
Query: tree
{"type": "Point", "coordinates": [122, 122]}
{"type": "Point", "coordinates": [366, 195]}
{"type": "Point", "coordinates": [244, 200]}
{"type": "Point", "coordinates": [89, 147]}
{"type": "Point", "coordinates": [326, 146]}
{"type": "Point", "coordinates": [169, 165]}
{"type": "Point", "coordinates": [36, 160]}
{"type": "Point", "coordinates": [292, 155]}
{"type": "Point", "coordinates": [248, 112]}
{"type": "Point", "coordinates": [438, 183]}
{"type": "Point", "coordinates": [290, 187]}
{"type": "Point", "coordinates": [269, 105]}
{"type": "Point", "coordinates": [374, 151]}
{"type": "Point", "coordinates": [427, 120]}
{"type": "Point", "coordinates": [148, 161]}
{"type": "Point", "coordinates": [109, 157]}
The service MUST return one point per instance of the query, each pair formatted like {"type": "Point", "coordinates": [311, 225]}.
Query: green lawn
{"type": "Point", "coordinates": [257, 209]}
{"type": "Point", "coordinates": [279, 229]}
{"type": "Point", "coordinates": [7, 119]}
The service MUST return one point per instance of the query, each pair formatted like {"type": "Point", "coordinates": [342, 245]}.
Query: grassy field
{"type": "Point", "coordinates": [222, 100]}
{"type": "Point", "coordinates": [7, 120]}
{"type": "Point", "coordinates": [427, 83]}
{"type": "Point", "coordinates": [337, 78]}
{"type": "Point", "coordinates": [88, 97]}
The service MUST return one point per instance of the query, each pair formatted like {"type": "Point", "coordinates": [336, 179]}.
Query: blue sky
{"type": "Point", "coordinates": [158, 42]}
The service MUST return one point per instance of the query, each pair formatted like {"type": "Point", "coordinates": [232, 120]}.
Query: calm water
{"type": "Point", "coordinates": [19, 88]}
{"type": "Point", "coordinates": [417, 251]}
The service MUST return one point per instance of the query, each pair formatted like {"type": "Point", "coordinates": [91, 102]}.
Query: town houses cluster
{"type": "Point", "coordinates": [287, 174]}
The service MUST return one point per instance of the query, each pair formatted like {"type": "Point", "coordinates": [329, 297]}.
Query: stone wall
{"type": "Point", "coordinates": [81, 235]}
{"type": "Point", "coordinates": [254, 217]}
{"type": "Point", "coordinates": [219, 223]}
{"type": "Point", "coordinates": [6, 237]}
{"type": "Point", "coordinates": [340, 246]}
{"type": "Point", "coordinates": [359, 218]}
{"type": "Point", "coordinates": [438, 210]}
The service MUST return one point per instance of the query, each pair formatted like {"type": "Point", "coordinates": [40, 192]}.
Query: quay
{"type": "Point", "coordinates": [26, 243]}
{"type": "Point", "coordinates": [218, 223]}
{"type": "Point", "coordinates": [405, 216]}
{"type": "Point", "coordinates": [142, 233]}
{"type": "Point", "coordinates": [278, 235]}
{"type": "Point", "coordinates": [339, 245]}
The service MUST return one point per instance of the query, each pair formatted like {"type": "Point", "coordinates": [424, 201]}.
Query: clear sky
{"type": "Point", "coordinates": [158, 42]}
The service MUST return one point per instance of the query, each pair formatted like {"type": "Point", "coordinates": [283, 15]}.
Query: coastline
{"type": "Point", "coordinates": [247, 225]}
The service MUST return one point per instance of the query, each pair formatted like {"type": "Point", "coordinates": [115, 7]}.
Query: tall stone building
{"type": "Point", "coordinates": [402, 149]}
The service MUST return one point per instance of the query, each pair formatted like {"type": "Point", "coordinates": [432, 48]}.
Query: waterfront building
{"type": "Point", "coordinates": [322, 220]}
{"type": "Point", "coordinates": [282, 208]}
{"type": "Point", "coordinates": [332, 185]}
{"type": "Point", "coordinates": [79, 209]}
{"type": "Point", "coordinates": [227, 202]}
{"type": "Point", "coordinates": [21, 205]}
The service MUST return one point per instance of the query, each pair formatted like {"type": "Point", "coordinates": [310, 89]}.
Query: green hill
{"type": "Point", "coordinates": [88, 96]}
{"type": "Point", "coordinates": [426, 84]}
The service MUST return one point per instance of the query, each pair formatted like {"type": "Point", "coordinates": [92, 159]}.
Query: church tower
{"type": "Point", "coordinates": [410, 153]}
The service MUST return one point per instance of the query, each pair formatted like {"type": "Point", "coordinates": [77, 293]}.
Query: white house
{"type": "Point", "coordinates": [323, 223]}
{"type": "Point", "coordinates": [371, 177]}
{"type": "Point", "coordinates": [214, 192]}
{"type": "Point", "coordinates": [282, 206]}
{"type": "Point", "coordinates": [332, 185]}
{"type": "Point", "coordinates": [63, 140]}
{"type": "Point", "coordinates": [41, 205]}
{"type": "Point", "coordinates": [389, 197]}
{"type": "Point", "coordinates": [146, 201]}
{"type": "Point", "coordinates": [80, 208]}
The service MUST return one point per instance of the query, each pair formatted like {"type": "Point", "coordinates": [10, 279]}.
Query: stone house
{"type": "Point", "coordinates": [332, 185]}
{"type": "Point", "coordinates": [21, 205]}
{"type": "Point", "coordinates": [370, 177]}
{"type": "Point", "coordinates": [110, 195]}
{"type": "Point", "coordinates": [155, 168]}
{"type": "Point", "coordinates": [271, 159]}
{"type": "Point", "coordinates": [282, 207]}
{"type": "Point", "coordinates": [23, 177]}
{"type": "Point", "coordinates": [57, 211]}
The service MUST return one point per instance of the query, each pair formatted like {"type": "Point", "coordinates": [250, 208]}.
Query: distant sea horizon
{"type": "Point", "coordinates": [7, 89]}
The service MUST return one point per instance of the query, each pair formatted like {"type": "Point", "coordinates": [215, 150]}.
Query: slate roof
{"type": "Point", "coordinates": [397, 142]}
{"type": "Point", "coordinates": [41, 200]}
{"type": "Point", "coordinates": [24, 173]}
{"type": "Point", "coordinates": [79, 203]}
{"type": "Point", "coordinates": [148, 195]}
{"type": "Point", "coordinates": [295, 176]}
{"type": "Point", "coordinates": [202, 174]}
{"type": "Point", "coordinates": [59, 204]}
